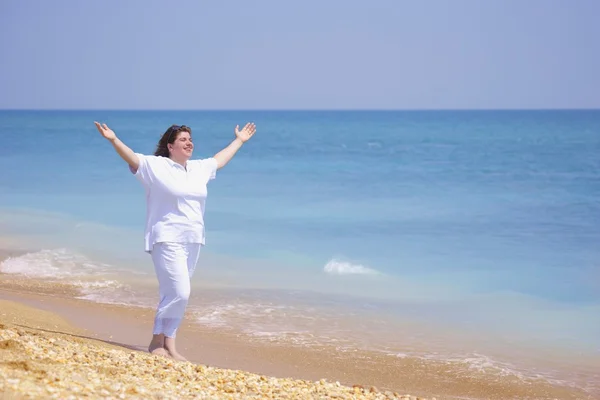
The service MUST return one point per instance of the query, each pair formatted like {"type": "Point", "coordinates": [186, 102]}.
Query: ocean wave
{"type": "Point", "coordinates": [265, 322]}
{"type": "Point", "coordinates": [239, 314]}
{"type": "Point", "coordinates": [55, 263]}
{"type": "Point", "coordinates": [473, 364]}
{"type": "Point", "coordinates": [93, 281]}
{"type": "Point", "coordinates": [337, 267]}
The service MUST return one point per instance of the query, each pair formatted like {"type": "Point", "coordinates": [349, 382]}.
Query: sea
{"type": "Point", "coordinates": [468, 237]}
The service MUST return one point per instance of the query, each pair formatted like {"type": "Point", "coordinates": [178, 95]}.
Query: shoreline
{"type": "Point", "coordinates": [129, 329]}
{"type": "Point", "coordinates": [44, 356]}
{"type": "Point", "coordinates": [42, 317]}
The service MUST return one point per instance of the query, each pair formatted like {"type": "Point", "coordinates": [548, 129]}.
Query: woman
{"type": "Point", "coordinates": [175, 200]}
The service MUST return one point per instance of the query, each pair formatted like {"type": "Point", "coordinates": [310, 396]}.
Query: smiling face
{"type": "Point", "coordinates": [182, 147]}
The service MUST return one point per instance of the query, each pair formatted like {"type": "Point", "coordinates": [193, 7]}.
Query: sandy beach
{"type": "Point", "coordinates": [43, 356]}
{"type": "Point", "coordinates": [53, 345]}
{"type": "Point", "coordinates": [41, 349]}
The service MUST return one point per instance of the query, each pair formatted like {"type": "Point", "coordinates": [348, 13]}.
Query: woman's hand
{"type": "Point", "coordinates": [125, 152]}
{"type": "Point", "coordinates": [105, 131]}
{"type": "Point", "coordinates": [241, 136]}
{"type": "Point", "coordinates": [246, 133]}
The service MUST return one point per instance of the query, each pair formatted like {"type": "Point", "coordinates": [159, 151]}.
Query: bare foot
{"type": "Point", "coordinates": [157, 346]}
{"type": "Point", "coordinates": [170, 348]}
{"type": "Point", "coordinates": [175, 355]}
{"type": "Point", "coordinates": [159, 351]}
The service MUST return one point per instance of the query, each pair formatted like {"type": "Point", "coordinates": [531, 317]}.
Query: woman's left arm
{"type": "Point", "coordinates": [241, 137]}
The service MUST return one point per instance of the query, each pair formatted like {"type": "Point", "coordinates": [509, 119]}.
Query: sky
{"type": "Point", "coordinates": [273, 54]}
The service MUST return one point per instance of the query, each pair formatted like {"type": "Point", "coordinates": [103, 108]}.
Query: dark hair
{"type": "Point", "coordinates": [170, 135]}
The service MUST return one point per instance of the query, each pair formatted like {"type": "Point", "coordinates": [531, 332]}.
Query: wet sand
{"type": "Point", "coordinates": [43, 356]}
{"type": "Point", "coordinates": [129, 329]}
{"type": "Point", "coordinates": [51, 312]}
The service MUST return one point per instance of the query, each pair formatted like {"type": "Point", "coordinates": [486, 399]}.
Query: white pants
{"type": "Point", "coordinates": [174, 264]}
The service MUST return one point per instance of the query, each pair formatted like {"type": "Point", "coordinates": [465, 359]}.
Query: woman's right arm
{"type": "Point", "coordinates": [125, 152]}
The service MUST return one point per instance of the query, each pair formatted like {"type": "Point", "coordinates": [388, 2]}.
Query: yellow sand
{"type": "Point", "coordinates": [43, 356]}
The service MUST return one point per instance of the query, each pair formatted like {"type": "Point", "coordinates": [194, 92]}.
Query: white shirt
{"type": "Point", "coordinates": [175, 198]}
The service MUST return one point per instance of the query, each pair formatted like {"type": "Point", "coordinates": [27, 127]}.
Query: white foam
{"type": "Point", "coordinates": [374, 145]}
{"type": "Point", "coordinates": [480, 363]}
{"type": "Point", "coordinates": [90, 278]}
{"type": "Point", "coordinates": [337, 267]}
{"type": "Point", "coordinates": [97, 284]}
{"type": "Point", "coordinates": [226, 315]}
{"type": "Point", "coordinates": [55, 263]}
{"type": "Point", "coordinates": [265, 321]}
{"type": "Point", "coordinates": [475, 363]}
{"type": "Point", "coordinates": [304, 326]}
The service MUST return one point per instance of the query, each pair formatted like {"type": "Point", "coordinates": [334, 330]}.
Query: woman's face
{"type": "Point", "coordinates": [182, 147]}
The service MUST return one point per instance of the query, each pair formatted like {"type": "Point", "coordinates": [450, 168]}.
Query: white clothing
{"type": "Point", "coordinates": [176, 198]}
{"type": "Point", "coordinates": [174, 264]}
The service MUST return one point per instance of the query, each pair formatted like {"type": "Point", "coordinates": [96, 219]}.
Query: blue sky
{"type": "Point", "coordinates": [263, 54]}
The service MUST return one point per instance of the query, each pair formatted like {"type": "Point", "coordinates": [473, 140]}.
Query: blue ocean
{"type": "Point", "coordinates": [461, 235]}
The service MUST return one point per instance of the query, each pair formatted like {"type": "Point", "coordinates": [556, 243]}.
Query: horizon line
{"type": "Point", "coordinates": [301, 109]}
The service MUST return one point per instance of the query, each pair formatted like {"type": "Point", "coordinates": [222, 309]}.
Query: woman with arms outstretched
{"type": "Point", "coordinates": [175, 203]}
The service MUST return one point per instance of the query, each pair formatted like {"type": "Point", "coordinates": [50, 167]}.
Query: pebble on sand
{"type": "Point", "coordinates": [39, 364]}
